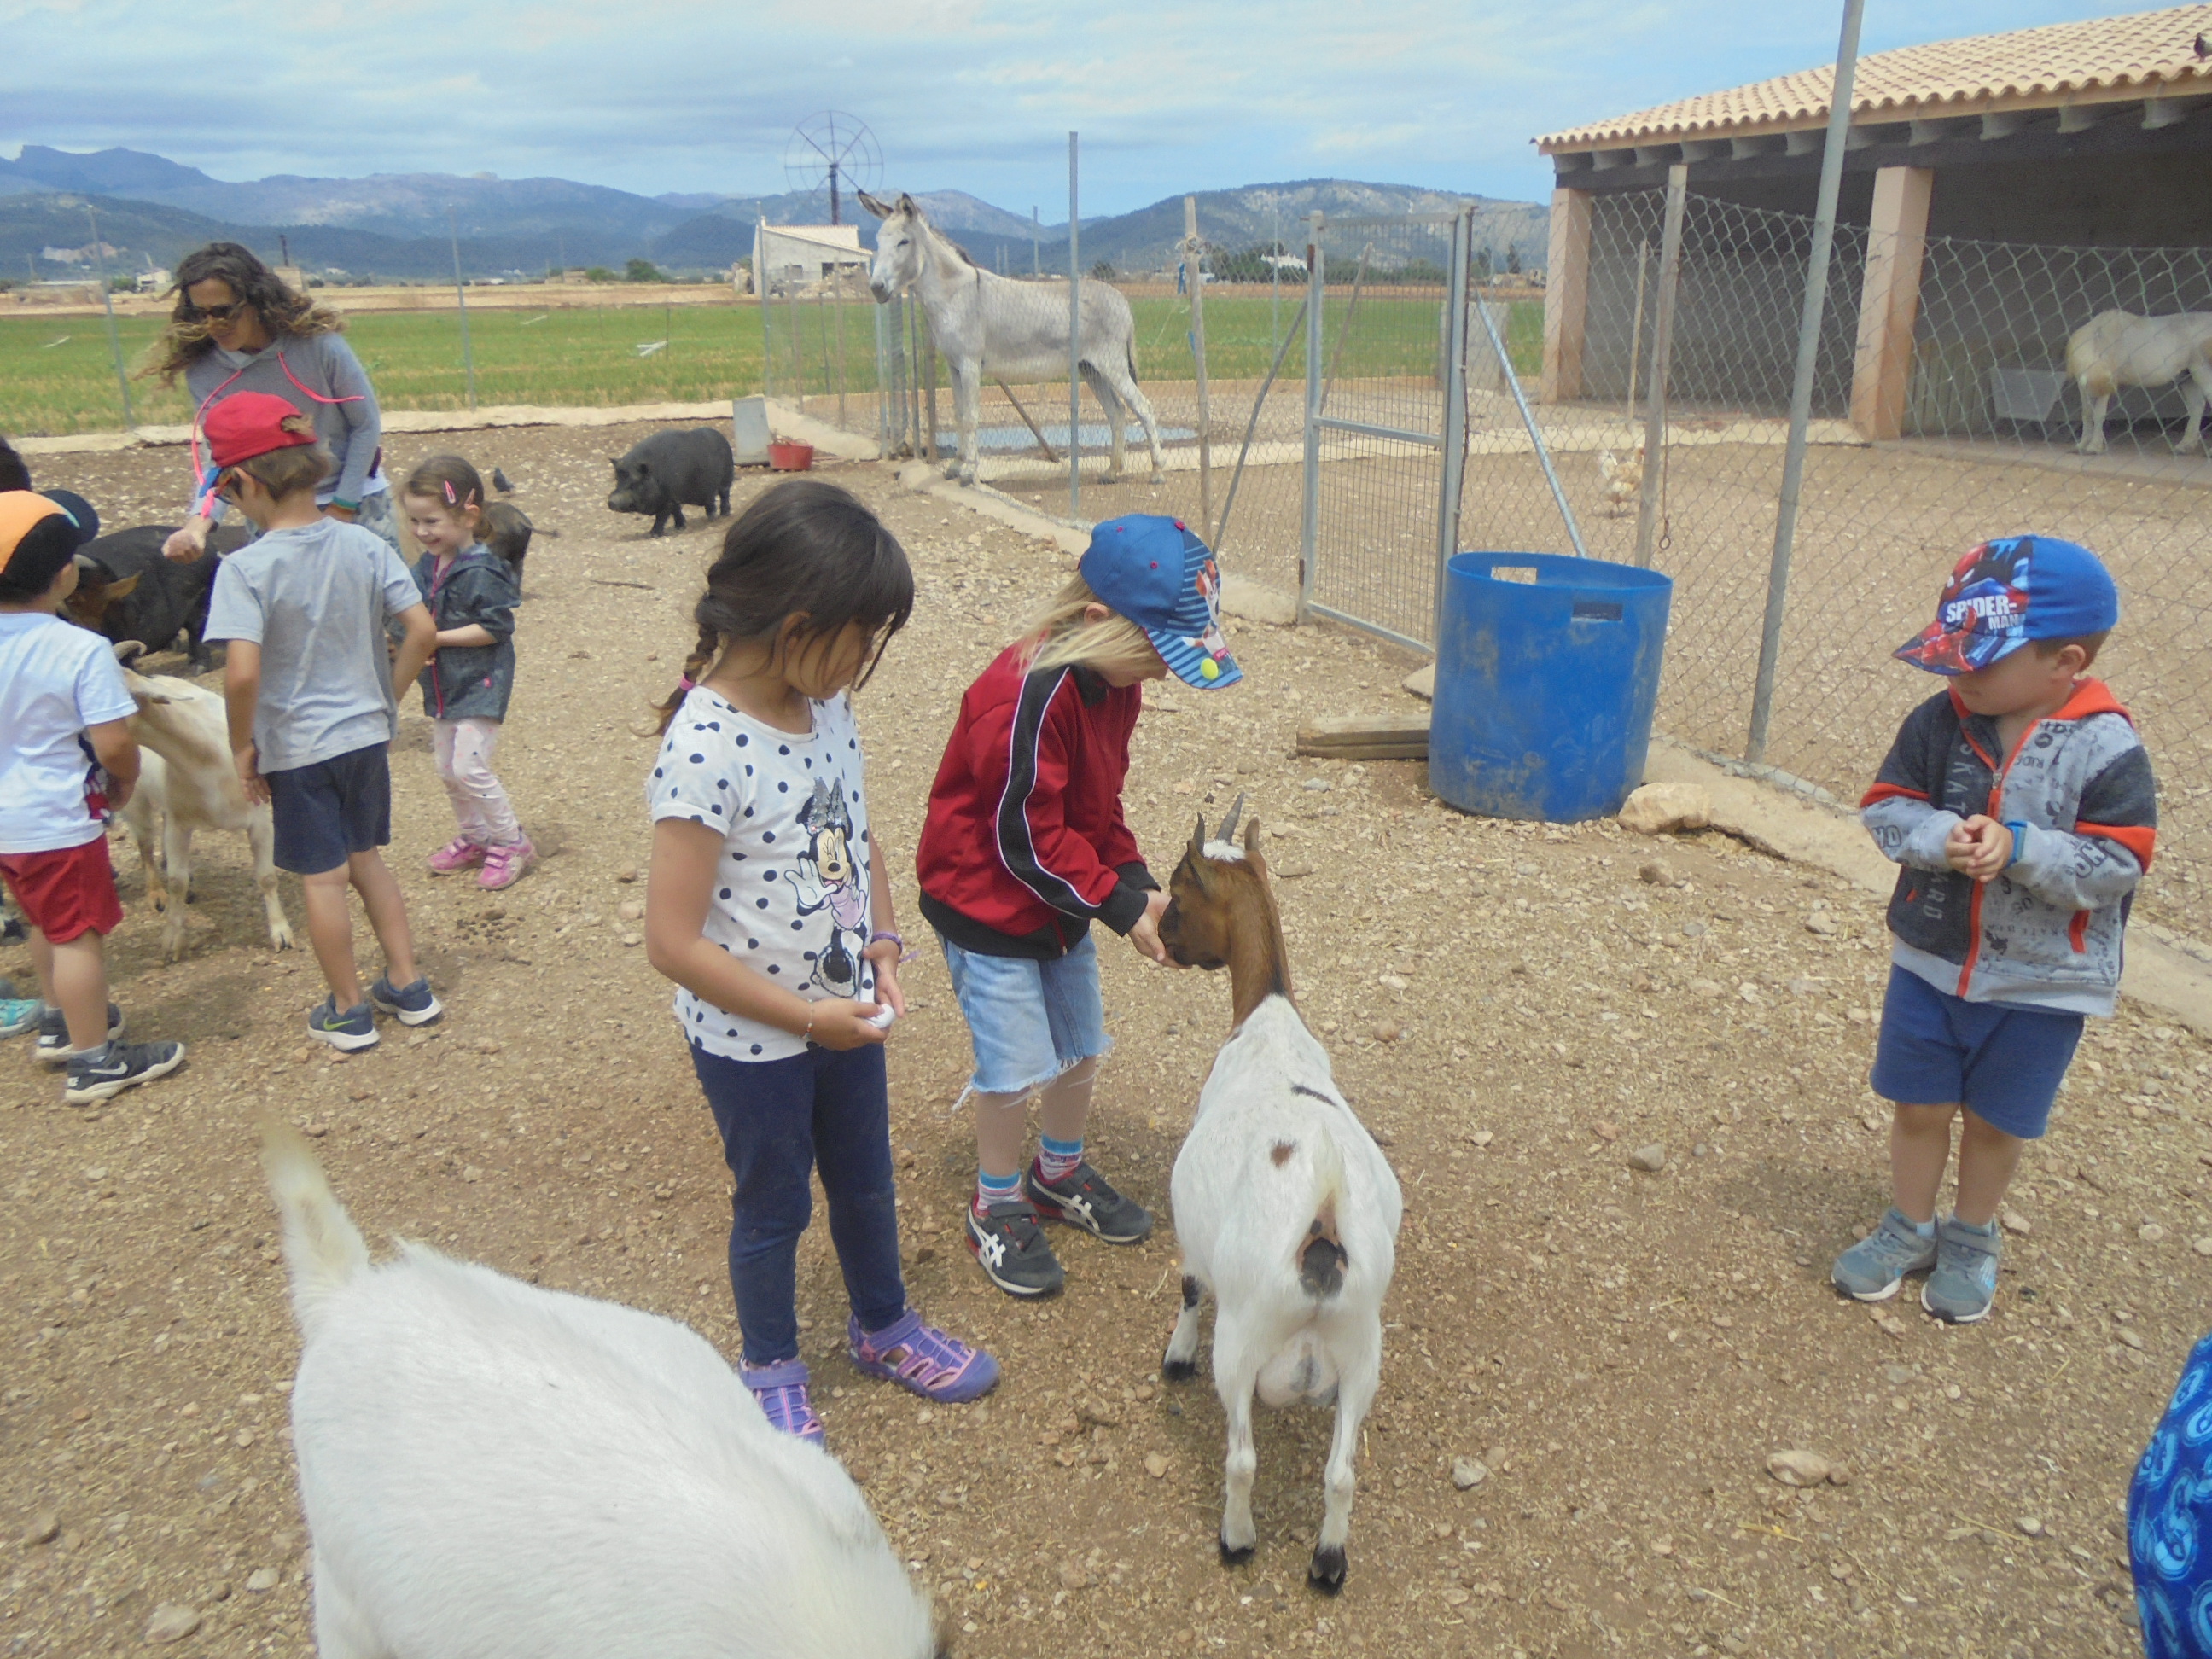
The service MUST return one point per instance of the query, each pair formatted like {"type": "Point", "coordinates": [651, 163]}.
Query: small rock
{"type": "Point", "coordinates": [1422, 683]}
{"type": "Point", "coordinates": [1156, 1465]}
{"type": "Point", "coordinates": [2013, 1222]}
{"type": "Point", "coordinates": [1651, 1160]}
{"type": "Point", "coordinates": [2150, 1233]}
{"type": "Point", "coordinates": [1655, 872]}
{"type": "Point", "coordinates": [631, 911]}
{"type": "Point", "coordinates": [1704, 988]}
{"type": "Point", "coordinates": [627, 873]}
{"type": "Point", "coordinates": [2202, 1246]}
{"type": "Point", "coordinates": [1605, 1130]}
{"type": "Point", "coordinates": [262, 1580]}
{"type": "Point", "coordinates": [2030, 1524]}
{"type": "Point", "coordinates": [1386, 1030]}
{"type": "Point", "coordinates": [1319, 786]}
{"type": "Point", "coordinates": [1467, 1474]}
{"type": "Point", "coordinates": [1662, 1546]}
{"type": "Point", "coordinates": [1071, 1575]}
{"type": "Point", "coordinates": [2133, 1339]}
{"type": "Point", "coordinates": [1805, 987]}
{"type": "Point", "coordinates": [1292, 871]}
{"type": "Point", "coordinates": [1693, 930]}
{"type": "Point", "coordinates": [173, 1621]}
{"type": "Point", "coordinates": [633, 939]}
{"type": "Point", "coordinates": [487, 1045]}
{"type": "Point", "coordinates": [1898, 1376]}
{"type": "Point", "coordinates": [1391, 982]}
{"type": "Point", "coordinates": [301, 1056]}
{"type": "Point", "coordinates": [1797, 1468]}
{"type": "Point", "coordinates": [1480, 1138]}
{"type": "Point", "coordinates": [1840, 1474]}
{"type": "Point", "coordinates": [470, 1173]}
{"type": "Point", "coordinates": [46, 1527]}
{"type": "Point", "coordinates": [1822, 923]}
{"type": "Point", "coordinates": [1657, 808]}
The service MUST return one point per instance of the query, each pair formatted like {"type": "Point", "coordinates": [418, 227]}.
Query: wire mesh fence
{"type": "Point", "coordinates": [1976, 432]}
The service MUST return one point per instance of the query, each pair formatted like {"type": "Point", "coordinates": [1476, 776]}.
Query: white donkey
{"type": "Point", "coordinates": [2116, 349]}
{"type": "Point", "coordinates": [984, 323]}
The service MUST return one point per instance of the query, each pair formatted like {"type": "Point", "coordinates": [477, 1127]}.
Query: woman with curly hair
{"type": "Point", "coordinates": [237, 327]}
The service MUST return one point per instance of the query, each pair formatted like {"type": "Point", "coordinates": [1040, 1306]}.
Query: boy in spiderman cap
{"type": "Point", "coordinates": [311, 710]}
{"type": "Point", "coordinates": [2021, 806]}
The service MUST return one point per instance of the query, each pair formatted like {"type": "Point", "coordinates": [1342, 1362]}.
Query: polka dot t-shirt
{"type": "Point", "coordinates": [791, 890]}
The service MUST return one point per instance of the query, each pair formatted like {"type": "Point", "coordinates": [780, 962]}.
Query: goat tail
{"type": "Point", "coordinates": [1320, 1252]}
{"type": "Point", "coordinates": [323, 1250]}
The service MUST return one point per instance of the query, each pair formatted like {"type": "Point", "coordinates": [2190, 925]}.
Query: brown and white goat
{"type": "Point", "coordinates": [1285, 1210]}
{"type": "Point", "coordinates": [186, 781]}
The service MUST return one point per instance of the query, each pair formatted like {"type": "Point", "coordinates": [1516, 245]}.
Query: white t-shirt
{"type": "Point", "coordinates": [54, 681]}
{"type": "Point", "coordinates": [790, 897]}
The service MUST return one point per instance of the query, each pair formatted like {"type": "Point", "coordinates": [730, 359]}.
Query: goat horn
{"type": "Point", "coordinates": [1228, 830]}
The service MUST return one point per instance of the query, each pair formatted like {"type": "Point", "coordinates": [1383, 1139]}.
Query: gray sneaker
{"type": "Point", "coordinates": [1964, 1281]}
{"type": "Point", "coordinates": [1872, 1269]}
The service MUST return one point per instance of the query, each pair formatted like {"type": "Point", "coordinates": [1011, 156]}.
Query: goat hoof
{"type": "Point", "coordinates": [1232, 1557]}
{"type": "Point", "coordinates": [1178, 1371]}
{"type": "Point", "coordinates": [1325, 1572]}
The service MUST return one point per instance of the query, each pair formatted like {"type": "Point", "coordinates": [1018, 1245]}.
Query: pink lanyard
{"type": "Point", "coordinates": [199, 417]}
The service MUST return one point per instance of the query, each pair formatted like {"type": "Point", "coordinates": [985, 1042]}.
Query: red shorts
{"type": "Point", "coordinates": [66, 892]}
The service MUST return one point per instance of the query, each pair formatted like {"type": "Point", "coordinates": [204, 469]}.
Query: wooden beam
{"type": "Point", "coordinates": [1889, 302]}
{"type": "Point", "coordinates": [1566, 296]}
{"type": "Point", "coordinates": [1366, 737]}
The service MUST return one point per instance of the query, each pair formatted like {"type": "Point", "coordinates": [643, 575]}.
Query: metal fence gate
{"type": "Point", "coordinates": [1397, 337]}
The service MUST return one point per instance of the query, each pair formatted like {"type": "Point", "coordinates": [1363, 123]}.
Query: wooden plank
{"type": "Point", "coordinates": [1366, 737]}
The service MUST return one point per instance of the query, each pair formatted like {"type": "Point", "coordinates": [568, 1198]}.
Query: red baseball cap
{"type": "Point", "coordinates": [252, 424]}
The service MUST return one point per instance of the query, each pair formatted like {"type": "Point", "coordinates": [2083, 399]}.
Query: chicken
{"type": "Point", "coordinates": [1624, 480]}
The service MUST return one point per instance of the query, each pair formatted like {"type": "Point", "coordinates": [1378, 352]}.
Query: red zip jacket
{"type": "Point", "coordinates": [1025, 842]}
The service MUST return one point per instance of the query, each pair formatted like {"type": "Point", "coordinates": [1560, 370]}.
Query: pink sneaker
{"type": "Point", "coordinates": [504, 866]}
{"type": "Point", "coordinates": [458, 854]}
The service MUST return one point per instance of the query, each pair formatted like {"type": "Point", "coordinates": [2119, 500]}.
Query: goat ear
{"type": "Point", "coordinates": [1252, 855]}
{"type": "Point", "coordinates": [121, 590]}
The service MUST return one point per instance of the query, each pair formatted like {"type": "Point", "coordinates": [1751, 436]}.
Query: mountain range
{"type": "Point", "coordinates": [151, 210]}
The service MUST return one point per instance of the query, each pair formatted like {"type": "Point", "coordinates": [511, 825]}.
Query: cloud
{"type": "Point", "coordinates": [977, 95]}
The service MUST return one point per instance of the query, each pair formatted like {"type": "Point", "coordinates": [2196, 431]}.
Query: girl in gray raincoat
{"type": "Point", "coordinates": [471, 594]}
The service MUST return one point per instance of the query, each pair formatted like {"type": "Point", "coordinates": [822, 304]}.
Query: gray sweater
{"type": "Point", "coordinates": [319, 375]}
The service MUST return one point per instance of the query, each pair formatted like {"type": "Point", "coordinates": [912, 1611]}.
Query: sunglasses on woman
{"type": "Point", "coordinates": [191, 314]}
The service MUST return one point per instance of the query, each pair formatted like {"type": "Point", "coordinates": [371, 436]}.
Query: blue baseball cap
{"type": "Point", "coordinates": [1155, 572]}
{"type": "Point", "coordinates": [2004, 594]}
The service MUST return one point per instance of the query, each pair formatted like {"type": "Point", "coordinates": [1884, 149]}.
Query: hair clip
{"type": "Point", "coordinates": [452, 500]}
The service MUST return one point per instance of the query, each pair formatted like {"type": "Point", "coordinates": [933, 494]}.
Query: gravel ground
{"type": "Point", "coordinates": [1614, 1354]}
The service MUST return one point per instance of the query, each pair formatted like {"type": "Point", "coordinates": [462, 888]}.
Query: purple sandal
{"type": "Point", "coordinates": [922, 1358]}
{"type": "Point", "coordinates": [781, 1390]}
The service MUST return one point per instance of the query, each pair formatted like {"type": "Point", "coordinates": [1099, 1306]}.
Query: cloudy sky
{"type": "Point", "coordinates": [973, 94]}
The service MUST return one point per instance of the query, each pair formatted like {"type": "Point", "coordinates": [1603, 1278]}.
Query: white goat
{"type": "Point", "coordinates": [493, 1471]}
{"type": "Point", "coordinates": [1285, 1209]}
{"type": "Point", "coordinates": [186, 781]}
{"type": "Point", "coordinates": [2119, 349]}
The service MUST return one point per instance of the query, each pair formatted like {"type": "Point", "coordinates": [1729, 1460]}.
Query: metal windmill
{"type": "Point", "coordinates": [835, 150]}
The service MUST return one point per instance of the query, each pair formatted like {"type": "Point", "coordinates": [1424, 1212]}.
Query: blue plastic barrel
{"type": "Point", "coordinates": [1545, 686]}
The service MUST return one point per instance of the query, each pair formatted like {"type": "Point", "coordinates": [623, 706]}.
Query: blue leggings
{"type": "Point", "coordinates": [779, 1120]}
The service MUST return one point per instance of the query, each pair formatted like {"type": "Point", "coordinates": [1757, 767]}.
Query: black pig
{"type": "Point", "coordinates": [126, 590]}
{"type": "Point", "coordinates": [669, 470]}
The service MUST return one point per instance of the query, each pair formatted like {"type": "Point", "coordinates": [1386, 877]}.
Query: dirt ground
{"type": "Point", "coordinates": [1511, 1008]}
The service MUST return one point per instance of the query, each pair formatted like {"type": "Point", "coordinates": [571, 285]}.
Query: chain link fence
{"type": "Point", "coordinates": [1986, 424]}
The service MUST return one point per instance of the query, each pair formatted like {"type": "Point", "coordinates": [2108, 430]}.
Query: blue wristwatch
{"type": "Point", "coordinates": [2019, 841]}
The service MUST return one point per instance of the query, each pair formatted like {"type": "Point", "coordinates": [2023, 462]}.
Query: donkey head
{"type": "Point", "coordinates": [898, 246]}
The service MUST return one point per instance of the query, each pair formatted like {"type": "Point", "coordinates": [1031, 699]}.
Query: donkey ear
{"type": "Point", "coordinates": [880, 210]}
{"type": "Point", "coordinates": [906, 203]}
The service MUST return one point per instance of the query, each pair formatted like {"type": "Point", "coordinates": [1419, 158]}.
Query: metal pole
{"type": "Point", "coordinates": [1074, 342]}
{"type": "Point", "coordinates": [1252, 425]}
{"type": "Point", "coordinates": [841, 350]}
{"type": "Point", "coordinates": [1454, 423]}
{"type": "Point", "coordinates": [1274, 272]}
{"type": "Point", "coordinates": [1662, 361]}
{"type": "Point", "coordinates": [1036, 231]}
{"type": "Point", "coordinates": [1636, 328]}
{"type": "Point", "coordinates": [1535, 432]}
{"type": "Point", "coordinates": [1195, 262]}
{"type": "Point", "coordinates": [461, 295]}
{"type": "Point", "coordinates": [929, 378]}
{"type": "Point", "coordinates": [1310, 513]}
{"type": "Point", "coordinates": [793, 326]}
{"type": "Point", "coordinates": [1801, 389]}
{"type": "Point", "coordinates": [107, 304]}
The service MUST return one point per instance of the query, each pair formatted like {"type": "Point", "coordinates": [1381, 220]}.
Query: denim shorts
{"type": "Point", "coordinates": [326, 812]}
{"type": "Point", "coordinates": [2003, 1061]}
{"type": "Point", "coordinates": [1029, 1021]}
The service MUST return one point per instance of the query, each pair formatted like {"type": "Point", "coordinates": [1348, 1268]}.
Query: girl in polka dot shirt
{"type": "Point", "coordinates": [766, 906]}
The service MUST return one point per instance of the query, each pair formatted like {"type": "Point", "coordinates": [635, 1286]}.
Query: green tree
{"type": "Point", "coordinates": [642, 271]}
{"type": "Point", "coordinates": [599, 274]}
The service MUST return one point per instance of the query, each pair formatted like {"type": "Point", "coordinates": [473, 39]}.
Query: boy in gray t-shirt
{"type": "Point", "coordinates": [312, 708]}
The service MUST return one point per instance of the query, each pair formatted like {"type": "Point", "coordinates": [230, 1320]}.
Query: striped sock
{"type": "Point", "coordinates": [996, 1189]}
{"type": "Point", "coordinates": [1056, 1159]}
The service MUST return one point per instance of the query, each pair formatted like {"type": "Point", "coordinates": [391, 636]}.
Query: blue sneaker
{"type": "Point", "coordinates": [411, 1004]}
{"type": "Point", "coordinates": [1872, 1269]}
{"type": "Point", "coordinates": [781, 1391]}
{"type": "Point", "coordinates": [105, 1071]}
{"type": "Point", "coordinates": [1964, 1281]}
{"type": "Point", "coordinates": [17, 1014]}
{"type": "Point", "coordinates": [922, 1358]}
{"type": "Point", "coordinates": [354, 1029]}
{"type": "Point", "coordinates": [53, 1048]}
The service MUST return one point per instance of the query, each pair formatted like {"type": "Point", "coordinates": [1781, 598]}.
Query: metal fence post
{"type": "Point", "coordinates": [1074, 342]}
{"type": "Point", "coordinates": [1195, 263]}
{"type": "Point", "coordinates": [1457, 300]}
{"type": "Point", "coordinates": [1663, 358]}
{"type": "Point", "coordinates": [1310, 516]}
{"type": "Point", "coordinates": [767, 334]}
{"type": "Point", "coordinates": [114, 339]}
{"type": "Point", "coordinates": [1801, 387]}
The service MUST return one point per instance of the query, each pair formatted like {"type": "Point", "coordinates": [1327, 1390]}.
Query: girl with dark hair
{"type": "Point", "coordinates": [770, 906]}
{"type": "Point", "coordinates": [238, 327]}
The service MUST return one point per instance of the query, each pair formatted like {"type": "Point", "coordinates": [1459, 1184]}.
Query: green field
{"type": "Point", "coordinates": [56, 375]}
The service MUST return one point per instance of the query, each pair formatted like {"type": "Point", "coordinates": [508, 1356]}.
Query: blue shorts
{"type": "Point", "coordinates": [326, 812]}
{"type": "Point", "coordinates": [1029, 1021]}
{"type": "Point", "coordinates": [2003, 1061]}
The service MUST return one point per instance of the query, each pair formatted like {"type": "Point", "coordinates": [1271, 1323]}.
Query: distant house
{"type": "Point", "coordinates": [787, 257]}
{"type": "Point", "coordinates": [2089, 134]}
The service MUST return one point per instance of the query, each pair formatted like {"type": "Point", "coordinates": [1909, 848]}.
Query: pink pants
{"type": "Point", "coordinates": [480, 804]}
